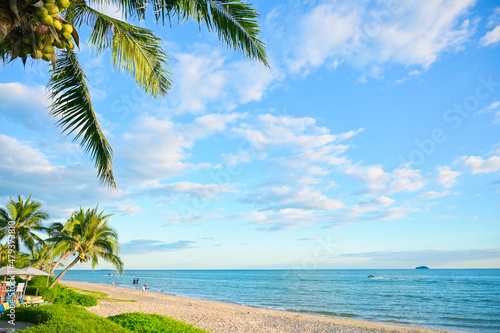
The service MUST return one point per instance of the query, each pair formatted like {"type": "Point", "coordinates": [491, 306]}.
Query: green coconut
{"type": "Point", "coordinates": [42, 12]}
{"type": "Point", "coordinates": [50, 1]}
{"type": "Point", "coordinates": [63, 3]}
{"type": "Point", "coordinates": [46, 56]}
{"type": "Point", "coordinates": [48, 49]}
{"type": "Point", "coordinates": [37, 55]}
{"type": "Point", "coordinates": [26, 40]}
{"type": "Point", "coordinates": [48, 20]}
{"type": "Point", "coordinates": [70, 45]}
{"type": "Point", "coordinates": [58, 25]}
{"type": "Point", "coordinates": [52, 8]}
{"type": "Point", "coordinates": [67, 36]}
{"type": "Point", "coordinates": [67, 28]}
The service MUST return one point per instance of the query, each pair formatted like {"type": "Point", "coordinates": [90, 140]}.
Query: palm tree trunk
{"type": "Point", "coordinates": [64, 256]}
{"type": "Point", "coordinates": [64, 272]}
{"type": "Point", "coordinates": [7, 22]}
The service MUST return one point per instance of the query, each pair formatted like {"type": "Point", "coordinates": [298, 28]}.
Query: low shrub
{"type": "Point", "coordinates": [152, 323]}
{"type": "Point", "coordinates": [67, 319]}
{"type": "Point", "coordinates": [63, 295]}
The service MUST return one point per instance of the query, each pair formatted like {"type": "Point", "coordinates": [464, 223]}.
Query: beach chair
{"type": "Point", "coordinates": [28, 301]}
{"type": "Point", "coordinates": [19, 290]}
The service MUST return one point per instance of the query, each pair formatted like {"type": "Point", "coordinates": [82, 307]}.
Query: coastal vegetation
{"type": "Point", "coordinates": [86, 236]}
{"type": "Point", "coordinates": [47, 30]}
{"type": "Point", "coordinates": [150, 323]}
{"type": "Point", "coordinates": [69, 318]}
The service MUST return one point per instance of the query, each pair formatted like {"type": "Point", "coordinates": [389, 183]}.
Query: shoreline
{"type": "Point", "coordinates": [224, 317]}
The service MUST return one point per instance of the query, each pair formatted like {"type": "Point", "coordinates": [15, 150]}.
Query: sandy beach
{"type": "Point", "coordinates": [225, 318]}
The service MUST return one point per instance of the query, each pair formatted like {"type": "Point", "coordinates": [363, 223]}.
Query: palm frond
{"type": "Point", "coordinates": [134, 50]}
{"type": "Point", "coordinates": [234, 21]}
{"type": "Point", "coordinates": [71, 102]}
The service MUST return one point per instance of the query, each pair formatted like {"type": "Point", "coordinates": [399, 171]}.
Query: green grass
{"type": "Point", "coordinates": [101, 296]}
{"type": "Point", "coordinates": [74, 319]}
{"type": "Point", "coordinates": [66, 318]}
{"type": "Point", "coordinates": [152, 323]}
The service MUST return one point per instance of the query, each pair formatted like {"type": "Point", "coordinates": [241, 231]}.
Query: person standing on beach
{"type": "Point", "coordinates": [144, 287]}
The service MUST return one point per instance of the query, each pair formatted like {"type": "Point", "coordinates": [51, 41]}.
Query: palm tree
{"type": "Point", "coordinates": [20, 219]}
{"type": "Point", "coordinates": [91, 238]}
{"type": "Point", "coordinates": [26, 28]}
{"type": "Point", "coordinates": [63, 242]}
{"type": "Point", "coordinates": [41, 257]}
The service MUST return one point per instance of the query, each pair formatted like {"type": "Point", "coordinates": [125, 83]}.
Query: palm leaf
{"type": "Point", "coordinates": [134, 50]}
{"type": "Point", "coordinates": [234, 20]}
{"type": "Point", "coordinates": [71, 102]}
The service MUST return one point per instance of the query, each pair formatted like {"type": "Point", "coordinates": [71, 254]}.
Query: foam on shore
{"type": "Point", "coordinates": [225, 318]}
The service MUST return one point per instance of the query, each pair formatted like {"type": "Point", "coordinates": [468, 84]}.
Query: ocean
{"type": "Point", "coordinates": [465, 300]}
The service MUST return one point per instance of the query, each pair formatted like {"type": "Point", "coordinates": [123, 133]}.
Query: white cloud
{"type": "Point", "coordinates": [18, 158]}
{"type": "Point", "coordinates": [411, 33]}
{"type": "Point", "coordinates": [377, 181]}
{"type": "Point", "coordinates": [200, 191]}
{"type": "Point", "coordinates": [433, 194]}
{"type": "Point", "coordinates": [26, 170]}
{"type": "Point", "coordinates": [491, 37]}
{"type": "Point", "coordinates": [24, 104]}
{"type": "Point", "coordinates": [380, 201]}
{"type": "Point", "coordinates": [300, 136]}
{"type": "Point", "coordinates": [204, 77]}
{"type": "Point", "coordinates": [284, 219]}
{"type": "Point", "coordinates": [477, 164]}
{"type": "Point", "coordinates": [446, 176]}
{"type": "Point", "coordinates": [286, 197]}
{"type": "Point", "coordinates": [127, 209]}
{"type": "Point", "coordinates": [158, 143]}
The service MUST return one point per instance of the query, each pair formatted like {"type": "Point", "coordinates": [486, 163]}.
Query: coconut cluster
{"type": "Point", "coordinates": [44, 40]}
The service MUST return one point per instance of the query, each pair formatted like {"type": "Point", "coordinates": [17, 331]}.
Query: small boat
{"type": "Point", "coordinates": [371, 276]}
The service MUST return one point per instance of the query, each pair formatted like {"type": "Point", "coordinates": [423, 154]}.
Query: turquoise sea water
{"type": "Point", "coordinates": [451, 299]}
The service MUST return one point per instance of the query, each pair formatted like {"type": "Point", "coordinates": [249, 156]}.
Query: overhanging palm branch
{"type": "Point", "coordinates": [134, 50]}
{"type": "Point", "coordinates": [71, 102]}
{"type": "Point", "coordinates": [235, 21]}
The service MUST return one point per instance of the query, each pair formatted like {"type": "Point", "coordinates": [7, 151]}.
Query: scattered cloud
{"type": "Point", "coordinates": [286, 197]}
{"type": "Point", "coordinates": [26, 170]}
{"type": "Point", "coordinates": [307, 239]}
{"type": "Point", "coordinates": [140, 246]}
{"type": "Point", "coordinates": [24, 104]}
{"type": "Point", "coordinates": [377, 181]}
{"type": "Point", "coordinates": [492, 37]}
{"type": "Point", "coordinates": [430, 258]}
{"type": "Point", "coordinates": [127, 209]}
{"type": "Point", "coordinates": [404, 33]}
{"type": "Point", "coordinates": [188, 190]}
{"type": "Point", "coordinates": [446, 176]}
{"type": "Point", "coordinates": [204, 77]}
{"type": "Point", "coordinates": [380, 201]}
{"type": "Point", "coordinates": [433, 194]}
{"type": "Point", "coordinates": [477, 164]}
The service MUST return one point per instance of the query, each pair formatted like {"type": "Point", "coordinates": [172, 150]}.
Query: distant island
{"type": "Point", "coordinates": [422, 267]}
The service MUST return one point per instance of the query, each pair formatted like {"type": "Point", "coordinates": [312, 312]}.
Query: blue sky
{"type": "Point", "coordinates": [372, 142]}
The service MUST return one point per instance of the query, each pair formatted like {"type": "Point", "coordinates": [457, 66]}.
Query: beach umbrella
{"type": "Point", "coordinates": [34, 271]}
{"type": "Point", "coordinates": [7, 270]}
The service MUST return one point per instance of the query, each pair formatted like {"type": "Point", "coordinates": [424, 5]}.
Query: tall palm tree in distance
{"type": "Point", "coordinates": [89, 237]}
{"type": "Point", "coordinates": [25, 217]}
{"type": "Point", "coordinates": [33, 29]}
